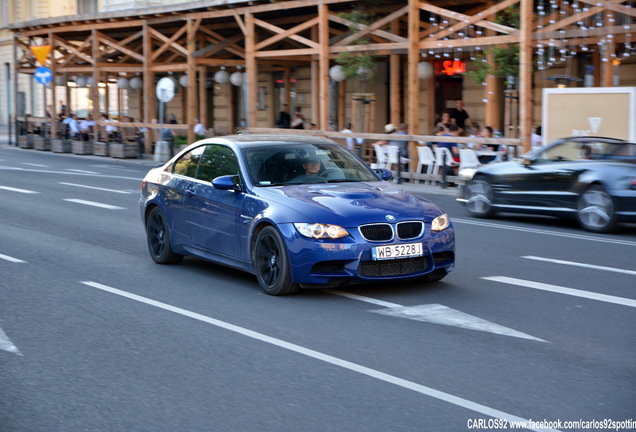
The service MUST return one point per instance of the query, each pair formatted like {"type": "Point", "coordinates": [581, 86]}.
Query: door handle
{"type": "Point", "coordinates": [190, 192]}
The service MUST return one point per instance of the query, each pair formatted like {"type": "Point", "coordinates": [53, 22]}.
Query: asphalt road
{"type": "Point", "coordinates": [536, 323]}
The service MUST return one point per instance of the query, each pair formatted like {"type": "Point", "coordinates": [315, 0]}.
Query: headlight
{"type": "Point", "coordinates": [440, 223]}
{"type": "Point", "coordinates": [321, 231]}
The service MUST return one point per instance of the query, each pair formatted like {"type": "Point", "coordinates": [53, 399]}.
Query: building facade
{"type": "Point", "coordinates": [236, 63]}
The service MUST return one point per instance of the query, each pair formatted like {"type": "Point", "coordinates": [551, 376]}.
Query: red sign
{"type": "Point", "coordinates": [449, 67]}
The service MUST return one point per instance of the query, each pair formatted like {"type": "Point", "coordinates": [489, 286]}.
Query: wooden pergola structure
{"type": "Point", "coordinates": [262, 36]}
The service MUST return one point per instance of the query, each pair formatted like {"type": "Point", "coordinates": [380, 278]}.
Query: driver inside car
{"type": "Point", "coordinates": [312, 166]}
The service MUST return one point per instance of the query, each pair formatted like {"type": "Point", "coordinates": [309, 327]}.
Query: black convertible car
{"type": "Point", "coordinates": [590, 178]}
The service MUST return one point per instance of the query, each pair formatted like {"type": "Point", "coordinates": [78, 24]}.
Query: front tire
{"type": "Point", "coordinates": [159, 239]}
{"type": "Point", "coordinates": [480, 198]}
{"type": "Point", "coordinates": [271, 264]}
{"type": "Point", "coordinates": [596, 210]}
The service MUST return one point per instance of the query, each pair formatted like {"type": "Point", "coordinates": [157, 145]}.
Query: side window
{"type": "Point", "coordinates": [217, 160]}
{"type": "Point", "coordinates": [187, 164]}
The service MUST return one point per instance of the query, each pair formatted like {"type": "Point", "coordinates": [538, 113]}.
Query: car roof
{"type": "Point", "coordinates": [256, 140]}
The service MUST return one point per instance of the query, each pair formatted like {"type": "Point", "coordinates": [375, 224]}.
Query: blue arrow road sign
{"type": "Point", "coordinates": [43, 75]}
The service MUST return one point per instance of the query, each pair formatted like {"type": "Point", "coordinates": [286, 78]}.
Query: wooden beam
{"type": "Point", "coordinates": [525, 74]}
{"type": "Point", "coordinates": [252, 71]}
{"type": "Point", "coordinates": [373, 28]}
{"type": "Point", "coordinates": [287, 33]}
{"type": "Point", "coordinates": [274, 29]}
{"type": "Point", "coordinates": [323, 67]}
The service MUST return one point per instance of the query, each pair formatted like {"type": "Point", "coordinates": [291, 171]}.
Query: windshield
{"type": "Point", "coordinates": [569, 150]}
{"type": "Point", "coordinates": [293, 163]}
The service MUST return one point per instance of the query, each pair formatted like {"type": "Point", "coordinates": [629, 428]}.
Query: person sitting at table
{"type": "Point", "coordinates": [487, 132]}
{"type": "Point", "coordinates": [450, 129]}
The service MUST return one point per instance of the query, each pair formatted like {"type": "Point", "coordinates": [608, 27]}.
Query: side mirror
{"type": "Point", "coordinates": [384, 174]}
{"type": "Point", "coordinates": [227, 182]}
{"type": "Point", "coordinates": [526, 161]}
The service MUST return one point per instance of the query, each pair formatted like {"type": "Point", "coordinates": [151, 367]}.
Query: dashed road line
{"type": "Point", "coordinates": [317, 355]}
{"type": "Point", "coordinates": [81, 171]}
{"type": "Point", "coordinates": [95, 188]}
{"type": "Point", "coordinates": [545, 232]}
{"type": "Point", "coordinates": [563, 290]}
{"type": "Point", "coordinates": [35, 165]}
{"type": "Point", "coordinates": [577, 264]}
{"type": "Point", "coordinates": [12, 189]}
{"type": "Point", "coordinates": [11, 259]}
{"type": "Point", "coordinates": [94, 204]}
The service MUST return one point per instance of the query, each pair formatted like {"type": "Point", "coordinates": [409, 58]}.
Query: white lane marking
{"type": "Point", "coordinates": [437, 314]}
{"type": "Point", "coordinates": [81, 171]}
{"type": "Point", "coordinates": [563, 290]}
{"type": "Point", "coordinates": [94, 204]}
{"type": "Point", "coordinates": [68, 172]}
{"type": "Point", "coordinates": [34, 165]}
{"type": "Point", "coordinates": [546, 232]}
{"type": "Point", "coordinates": [11, 259]}
{"type": "Point", "coordinates": [96, 188]}
{"type": "Point", "coordinates": [363, 298]}
{"type": "Point", "coordinates": [6, 344]}
{"type": "Point", "coordinates": [24, 191]}
{"type": "Point", "coordinates": [576, 264]}
{"type": "Point", "coordinates": [440, 314]}
{"type": "Point", "coordinates": [428, 391]}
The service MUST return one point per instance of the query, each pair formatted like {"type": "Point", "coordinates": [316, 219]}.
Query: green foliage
{"type": "Point", "coordinates": [357, 65]}
{"type": "Point", "coordinates": [505, 57]}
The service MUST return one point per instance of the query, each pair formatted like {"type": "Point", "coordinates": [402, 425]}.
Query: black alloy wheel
{"type": "Point", "coordinates": [159, 239]}
{"type": "Point", "coordinates": [596, 210]}
{"type": "Point", "coordinates": [271, 264]}
{"type": "Point", "coordinates": [480, 197]}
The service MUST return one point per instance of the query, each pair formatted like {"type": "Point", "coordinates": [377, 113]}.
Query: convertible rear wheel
{"type": "Point", "coordinates": [479, 202]}
{"type": "Point", "coordinates": [271, 264]}
{"type": "Point", "coordinates": [596, 210]}
{"type": "Point", "coordinates": [159, 239]}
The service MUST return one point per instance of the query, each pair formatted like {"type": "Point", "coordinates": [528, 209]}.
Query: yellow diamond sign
{"type": "Point", "coordinates": [41, 52]}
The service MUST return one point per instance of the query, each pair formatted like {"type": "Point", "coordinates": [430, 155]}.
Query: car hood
{"type": "Point", "coordinates": [344, 203]}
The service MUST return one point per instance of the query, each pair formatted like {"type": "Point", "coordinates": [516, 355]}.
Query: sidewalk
{"type": "Point", "coordinates": [423, 189]}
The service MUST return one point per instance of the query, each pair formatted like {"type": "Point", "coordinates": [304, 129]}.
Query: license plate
{"type": "Point", "coordinates": [409, 250]}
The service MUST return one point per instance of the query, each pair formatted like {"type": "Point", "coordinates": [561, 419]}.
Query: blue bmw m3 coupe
{"type": "Point", "coordinates": [296, 211]}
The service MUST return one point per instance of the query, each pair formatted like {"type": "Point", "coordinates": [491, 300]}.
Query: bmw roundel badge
{"type": "Point", "coordinates": [390, 218]}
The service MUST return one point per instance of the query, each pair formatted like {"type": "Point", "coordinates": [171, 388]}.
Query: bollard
{"type": "Point", "coordinates": [162, 152]}
{"type": "Point", "coordinates": [444, 170]}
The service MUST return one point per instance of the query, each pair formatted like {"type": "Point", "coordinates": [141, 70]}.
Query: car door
{"type": "Point", "coordinates": [213, 215]}
{"type": "Point", "coordinates": [183, 176]}
{"type": "Point", "coordinates": [544, 181]}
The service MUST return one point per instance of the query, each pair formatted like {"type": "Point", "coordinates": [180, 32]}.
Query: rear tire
{"type": "Point", "coordinates": [271, 263]}
{"type": "Point", "coordinates": [480, 198]}
{"type": "Point", "coordinates": [596, 210]}
{"type": "Point", "coordinates": [159, 239]}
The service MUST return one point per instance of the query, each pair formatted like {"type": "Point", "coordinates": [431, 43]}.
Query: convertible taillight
{"type": "Point", "coordinates": [634, 183]}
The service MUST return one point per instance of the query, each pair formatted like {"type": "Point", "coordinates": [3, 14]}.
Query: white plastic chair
{"type": "Point", "coordinates": [426, 157]}
{"type": "Point", "coordinates": [468, 159]}
{"type": "Point", "coordinates": [381, 157]}
{"type": "Point", "coordinates": [442, 154]}
{"type": "Point", "coordinates": [394, 159]}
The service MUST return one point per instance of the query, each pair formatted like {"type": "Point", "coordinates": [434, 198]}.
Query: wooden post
{"type": "Point", "coordinates": [192, 80]}
{"type": "Point", "coordinates": [148, 88]}
{"type": "Point", "coordinates": [394, 82]}
{"type": "Point", "coordinates": [252, 72]}
{"type": "Point", "coordinates": [203, 96]}
{"type": "Point", "coordinates": [525, 75]}
{"type": "Point", "coordinates": [323, 66]}
{"type": "Point", "coordinates": [412, 79]}
{"type": "Point", "coordinates": [94, 91]}
{"type": "Point", "coordinates": [53, 89]}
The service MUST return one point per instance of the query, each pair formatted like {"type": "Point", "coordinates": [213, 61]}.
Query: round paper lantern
{"type": "Point", "coordinates": [122, 83]}
{"type": "Point", "coordinates": [81, 81]}
{"type": "Point", "coordinates": [183, 80]}
{"type": "Point", "coordinates": [424, 70]}
{"type": "Point", "coordinates": [60, 80]}
{"type": "Point", "coordinates": [236, 78]}
{"type": "Point", "coordinates": [337, 73]}
{"type": "Point", "coordinates": [136, 83]}
{"type": "Point", "coordinates": [222, 77]}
